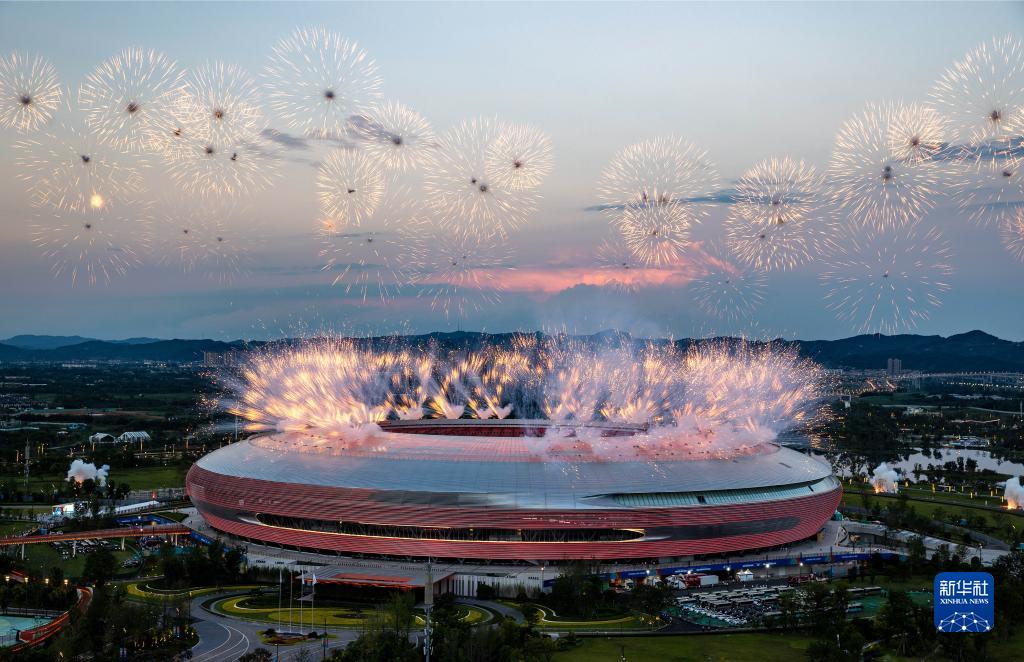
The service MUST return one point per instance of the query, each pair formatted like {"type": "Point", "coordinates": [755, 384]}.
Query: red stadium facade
{"type": "Point", "coordinates": [486, 494]}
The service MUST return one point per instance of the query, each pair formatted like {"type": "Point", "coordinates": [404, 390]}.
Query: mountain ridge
{"type": "Point", "coordinates": [971, 351]}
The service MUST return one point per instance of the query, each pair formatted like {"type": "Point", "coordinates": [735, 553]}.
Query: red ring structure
{"type": "Point", "coordinates": [383, 503]}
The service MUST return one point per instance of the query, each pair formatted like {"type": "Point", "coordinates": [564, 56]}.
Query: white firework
{"type": "Point", "coordinates": [201, 168]}
{"type": "Point", "coordinates": [519, 158]}
{"type": "Point", "coordinates": [350, 185]}
{"type": "Point", "coordinates": [69, 168]}
{"type": "Point", "coordinates": [657, 172]}
{"type": "Point", "coordinates": [989, 186]}
{"type": "Point", "coordinates": [726, 289]}
{"type": "Point", "coordinates": [658, 235]}
{"type": "Point", "coordinates": [316, 79]}
{"type": "Point", "coordinates": [203, 240]}
{"type": "Point", "coordinates": [886, 281]}
{"type": "Point", "coordinates": [982, 95]}
{"type": "Point", "coordinates": [917, 133]}
{"type": "Point", "coordinates": [396, 136]}
{"type": "Point", "coordinates": [29, 92]}
{"type": "Point", "coordinates": [614, 256]}
{"type": "Point", "coordinates": [96, 245]}
{"type": "Point", "coordinates": [222, 106]}
{"type": "Point", "coordinates": [871, 182]}
{"type": "Point", "coordinates": [780, 215]}
{"type": "Point", "coordinates": [1013, 233]}
{"type": "Point", "coordinates": [459, 187]}
{"type": "Point", "coordinates": [130, 97]}
{"type": "Point", "coordinates": [380, 256]}
{"type": "Point", "coordinates": [462, 272]}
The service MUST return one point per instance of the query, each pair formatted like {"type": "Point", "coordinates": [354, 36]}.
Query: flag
{"type": "Point", "coordinates": [314, 578]}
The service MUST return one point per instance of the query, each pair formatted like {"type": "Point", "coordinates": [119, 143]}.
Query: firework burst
{"type": "Point", "coordinates": [982, 95]}
{"type": "Point", "coordinates": [885, 281]}
{"type": "Point", "coordinates": [317, 80]}
{"type": "Point", "coordinates": [222, 106]}
{"type": "Point", "coordinates": [462, 272]}
{"type": "Point", "coordinates": [69, 168]}
{"type": "Point", "coordinates": [380, 255]}
{"type": "Point", "coordinates": [519, 158]}
{"type": "Point", "coordinates": [917, 133]}
{"type": "Point", "coordinates": [779, 215]}
{"type": "Point", "coordinates": [201, 168]}
{"type": "Point", "coordinates": [871, 182]}
{"type": "Point", "coordinates": [655, 172]}
{"type": "Point", "coordinates": [128, 98]}
{"type": "Point", "coordinates": [202, 240]}
{"type": "Point", "coordinates": [989, 185]}
{"type": "Point", "coordinates": [460, 190]}
{"type": "Point", "coordinates": [397, 137]}
{"type": "Point", "coordinates": [94, 245]}
{"type": "Point", "coordinates": [350, 185]}
{"type": "Point", "coordinates": [1013, 233]}
{"type": "Point", "coordinates": [725, 289]}
{"type": "Point", "coordinates": [29, 92]}
{"type": "Point", "coordinates": [657, 234]}
{"type": "Point", "coordinates": [614, 256]}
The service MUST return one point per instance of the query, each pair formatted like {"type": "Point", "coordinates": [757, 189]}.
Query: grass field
{"type": "Point", "coordinates": [552, 621]}
{"type": "Point", "coordinates": [142, 478]}
{"type": "Point", "coordinates": [41, 558]}
{"type": "Point", "coordinates": [962, 510]}
{"type": "Point", "coordinates": [693, 648]}
{"type": "Point", "coordinates": [350, 616]}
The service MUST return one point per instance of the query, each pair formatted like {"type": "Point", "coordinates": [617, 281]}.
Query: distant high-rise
{"type": "Point", "coordinates": [894, 367]}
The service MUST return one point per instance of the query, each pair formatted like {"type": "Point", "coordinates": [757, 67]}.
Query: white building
{"type": "Point", "coordinates": [132, 437]}
{"type": "Point", "coordinates": [102, 438]}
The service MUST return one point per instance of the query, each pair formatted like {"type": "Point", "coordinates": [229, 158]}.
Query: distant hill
{"type": "Point", "coordinates": [28, 341]}
{"type": "Point", "coordinates": [975, 350]}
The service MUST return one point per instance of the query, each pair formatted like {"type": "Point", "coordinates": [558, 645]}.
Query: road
{"type": "Point", "coordinates": [225, 639]}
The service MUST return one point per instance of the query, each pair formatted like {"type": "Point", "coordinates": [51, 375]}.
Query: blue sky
{"type": "Point", "coordinates": [746, 81]}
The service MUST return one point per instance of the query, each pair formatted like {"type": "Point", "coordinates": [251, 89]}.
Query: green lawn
{"type": "Point", "coordinates": [928, 508]}
{"type": "Point", "coordinates": [142, 478]}
{"type": "Point", "coordinates": [686, 648]}
{"type": "Point", "coordinates": [41, 557]}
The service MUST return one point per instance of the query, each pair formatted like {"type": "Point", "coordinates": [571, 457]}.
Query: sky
{"type": "Point", "coordinates": [745, 81]}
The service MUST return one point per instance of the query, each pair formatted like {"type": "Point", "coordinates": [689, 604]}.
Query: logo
{"type": "Point", "coordinates": [964, 602]}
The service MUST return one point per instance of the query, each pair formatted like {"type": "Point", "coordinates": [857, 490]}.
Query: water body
{"type": "Point", "coordinates": [982, 457]}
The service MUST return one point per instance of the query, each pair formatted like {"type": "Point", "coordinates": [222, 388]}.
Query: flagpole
{"type": "Point", "coordinates": [280, 590]}
{"type": "Point", "coordinates": [302, 590]}
{"type": "Point", "coordinates": [290, 601]}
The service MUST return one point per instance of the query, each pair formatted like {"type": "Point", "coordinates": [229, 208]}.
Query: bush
{"type": "Point", "coordinates": [485, 592]}
{"type": "Point", "coordinates": [312, 635]}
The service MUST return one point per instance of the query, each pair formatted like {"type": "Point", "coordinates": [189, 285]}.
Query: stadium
{"type": "Point", "coordinates": [481, 490]}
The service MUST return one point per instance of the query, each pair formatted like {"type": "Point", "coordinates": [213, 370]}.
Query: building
{"type": "Point", "coordinates": [102, 438]}
{"type": "Point", "coordinates": [133, 437]}
{"type": "Point", "coordinates": [894, 367]}
{"type": "Point", "coordinates": [479, 490]}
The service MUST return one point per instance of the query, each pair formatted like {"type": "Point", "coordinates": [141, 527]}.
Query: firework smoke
{"type": "Point", "coordinates": [870, 179]}
{"type": "Point", "coordinates": [29, 92]}
{"type": "Point", "coordinates": [886, 281]}
{"type": "Point", "coordinates": [885, 480]}
{"type": "Point", "coordinates": [1014, 493]}
{"type": "Point", "coordinates": [317, 79]}
{"type": "Point", "coordinates": [80, 472]}
{"type": "Point", "coordinates": [128, 98]}
{"type": "Point", "coordinates": [779, 217]}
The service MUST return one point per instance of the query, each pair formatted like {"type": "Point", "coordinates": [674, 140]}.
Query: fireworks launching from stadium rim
{"type": "Point", "coordinates": [714, 397]}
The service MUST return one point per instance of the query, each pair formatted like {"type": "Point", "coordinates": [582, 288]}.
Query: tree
{"type": "Point", "coordinates": [258, 655]}
{"type": "Point", "coordinates": [99, 567]}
